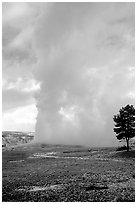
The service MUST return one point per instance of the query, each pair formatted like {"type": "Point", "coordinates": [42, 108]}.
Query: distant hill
{"type": "Point", "coordinates": [12, 138]}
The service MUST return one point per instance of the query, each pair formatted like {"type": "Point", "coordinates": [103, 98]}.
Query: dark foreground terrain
{"type": "Point", "coordinates": [39, 172]}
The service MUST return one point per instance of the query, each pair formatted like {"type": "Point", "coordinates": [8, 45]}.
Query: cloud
{"type": "Point", "coordinates": [84, 52]}
{"type": "Point", "coordinates": [15, 98]}
{"type": "Point", "coordinates": [25, 85]}
{"type": "Point", "coordinates": [77, 59]}
{"type": "Point", "coordinates": [18, 27]}
{"type": "Point", "coordinates": [19, 14]}
{"type": "Point", "coordinates": [21, 119]}
{"type": "Point", "coordinates": [17, 93]}
{"type": "Point", "coordinates": [18, 58]}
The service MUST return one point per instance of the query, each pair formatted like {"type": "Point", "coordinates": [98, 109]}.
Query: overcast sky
{"type": "Point", "coordinates": [67, 69]}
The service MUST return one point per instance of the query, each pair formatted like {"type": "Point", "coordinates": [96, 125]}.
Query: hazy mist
{"type": "Point", "coordinates": [85, 66]}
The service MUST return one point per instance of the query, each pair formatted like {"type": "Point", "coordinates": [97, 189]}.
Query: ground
{"type": "Point", "coordinates": [40, 172]}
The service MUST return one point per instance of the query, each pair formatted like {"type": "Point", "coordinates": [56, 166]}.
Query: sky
{"type": "Point", "coordinates": [67, 69]}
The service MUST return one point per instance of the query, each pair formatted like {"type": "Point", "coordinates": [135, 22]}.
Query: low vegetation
{"type": "Point", "coordinates": [40, 172]}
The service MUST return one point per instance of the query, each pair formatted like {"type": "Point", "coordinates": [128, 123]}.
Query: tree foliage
{"type": "Point", "coordinates": [125, 124]}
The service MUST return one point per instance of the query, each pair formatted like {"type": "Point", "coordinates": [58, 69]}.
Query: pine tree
{"type": "Point", "coordinates": [125, 124]}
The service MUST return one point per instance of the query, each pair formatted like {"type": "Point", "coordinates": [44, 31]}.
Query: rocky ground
{"type": "Point", "coordinates": [12, 138]}
{"type": "Point", "coordinates": [39, 172]}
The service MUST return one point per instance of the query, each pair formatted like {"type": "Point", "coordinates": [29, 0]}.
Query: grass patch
{"type": "Point", "coordinates": [105, 176]}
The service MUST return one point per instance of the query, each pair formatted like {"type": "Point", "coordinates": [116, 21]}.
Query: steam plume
{"type": "Point", "coordinates": [85, 55]}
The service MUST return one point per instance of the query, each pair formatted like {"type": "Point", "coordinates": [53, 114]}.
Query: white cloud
{"type": "Point", "coordinates": [23, 118]}
{"type": "Point", "coordinates": [22, 40]}
{"type": "Point", "coordinates": [19, 85]}
{"type": "Point", "coordinates": [18, 26]}
{"type": "Point", "coordinates": [14, 11]}
{"type": "Point", "coordinates": [24, 85]}
{"type": "Point", "coordinates": [18, 13]}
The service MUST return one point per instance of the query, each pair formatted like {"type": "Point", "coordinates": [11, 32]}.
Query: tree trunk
{"type": "Point", "coordinates": [127, 140]}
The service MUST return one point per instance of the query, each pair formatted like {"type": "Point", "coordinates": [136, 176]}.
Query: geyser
{"type": "Point", "coordinates": [85, 52]}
